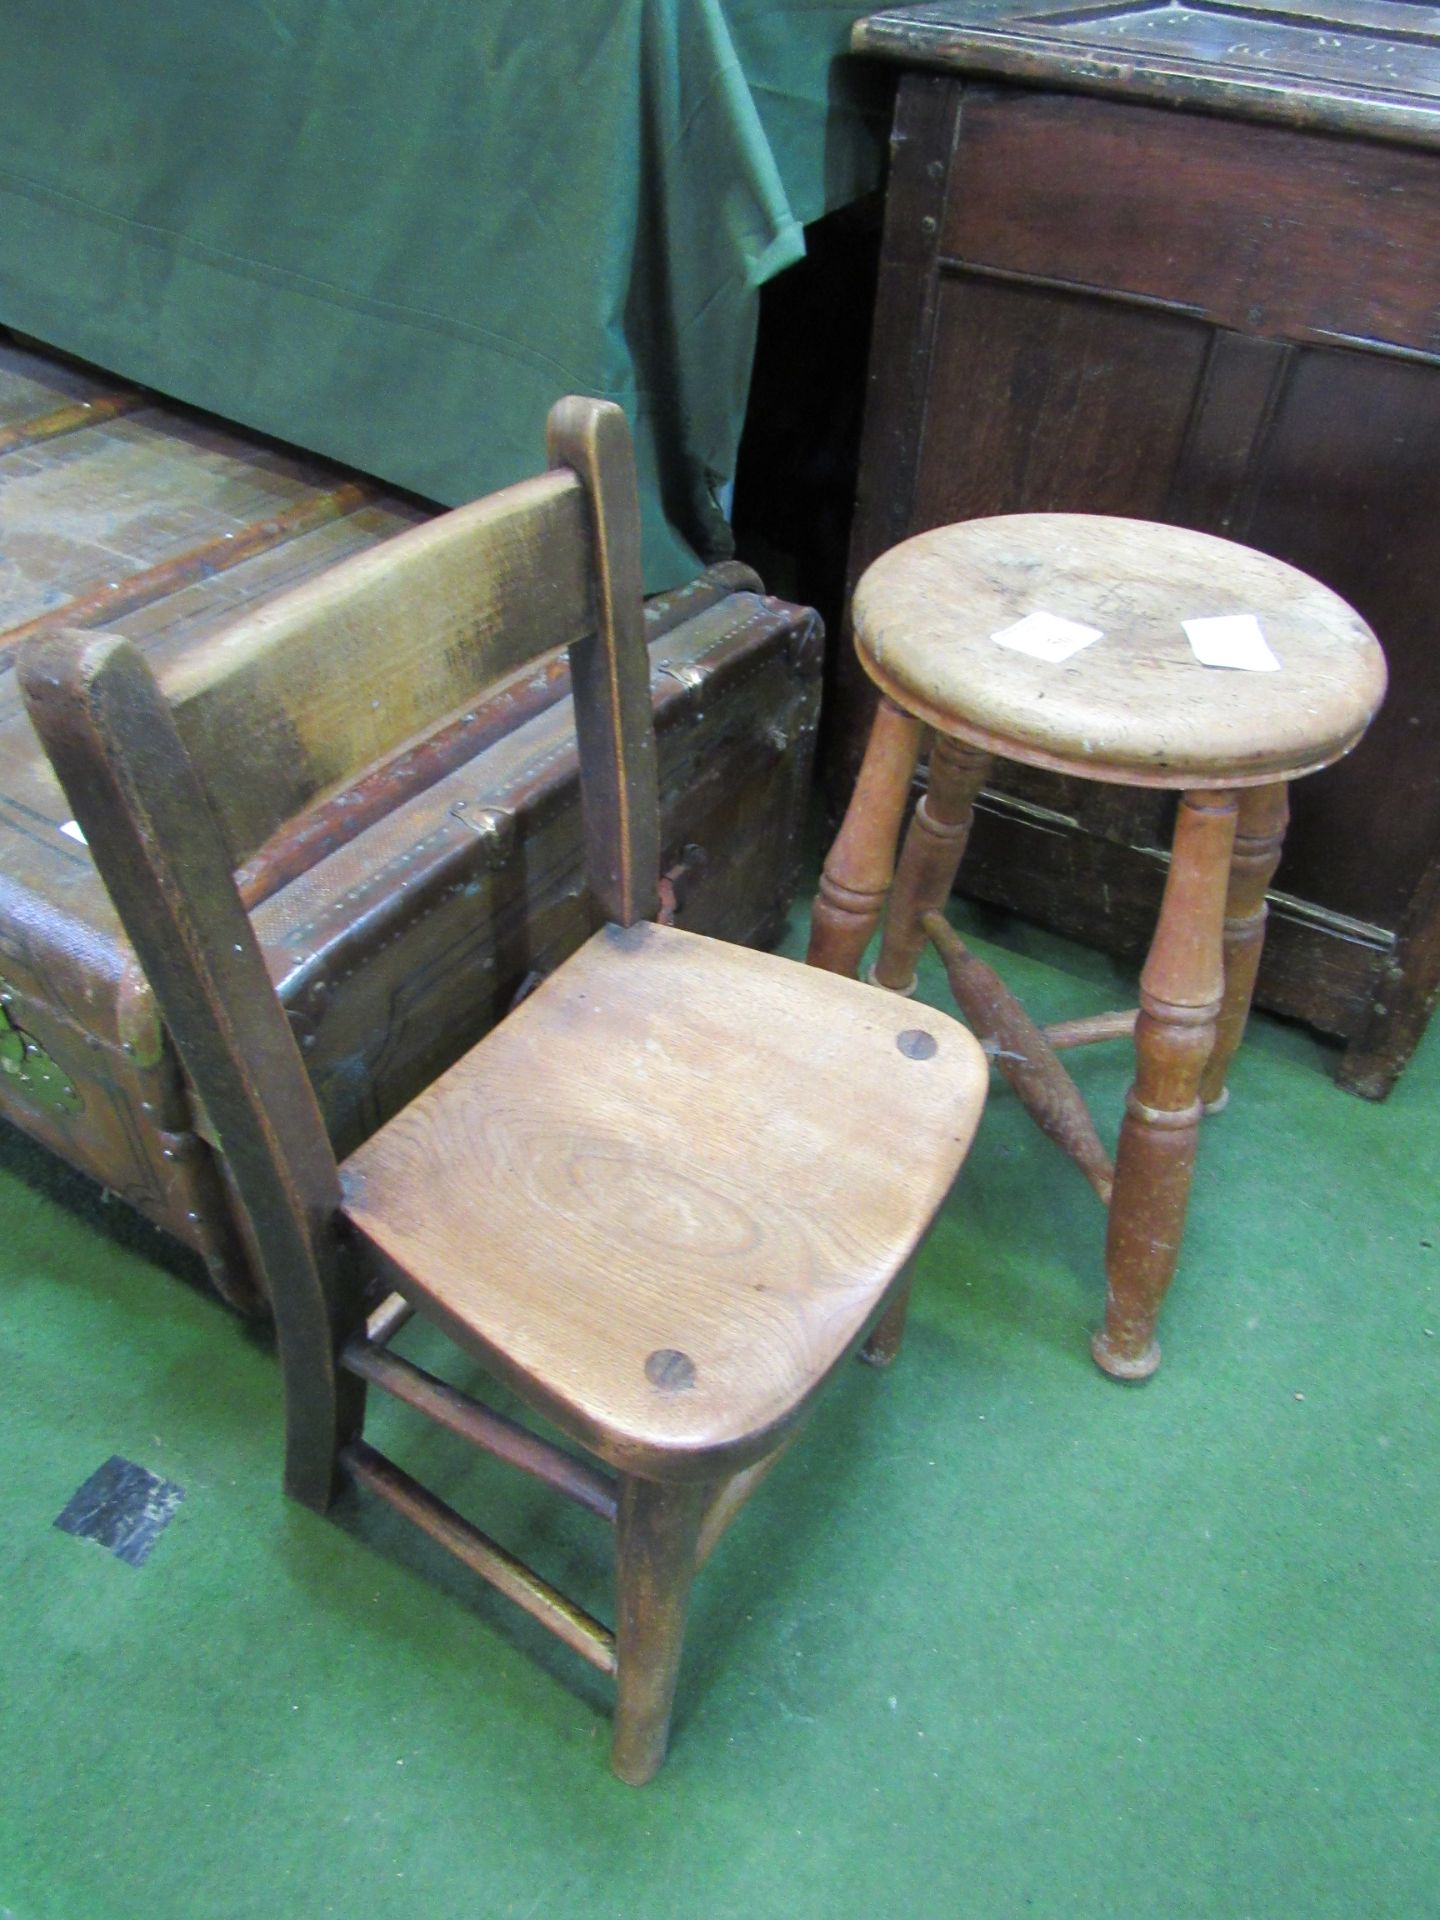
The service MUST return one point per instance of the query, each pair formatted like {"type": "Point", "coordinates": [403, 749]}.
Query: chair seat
{"type": "Point", "coordinates": [664, 1197]}
{"type": "Point", "coordinates": [1136, 706]}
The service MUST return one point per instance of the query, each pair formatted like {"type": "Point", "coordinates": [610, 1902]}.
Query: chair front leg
{"type": "Point", "coordinates": [657, 1540]}
{"type": "Point", "coordinates": [1180, 995]}
{"type": "Point", "coordinates": [859, 865]}
{"type": "Point", "coordinates": [1259, 839]}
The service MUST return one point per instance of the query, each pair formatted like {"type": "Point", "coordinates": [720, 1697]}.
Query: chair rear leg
{"type": "Point", "coordinates": [322, 1415]}
{"type": "Point", "coordinates": [882, 1343]}
{"type": "Point", "coordinates": [657, 1540]}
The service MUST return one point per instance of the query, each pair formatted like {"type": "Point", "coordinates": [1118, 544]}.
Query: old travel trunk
{"type": "Point", "coordinates": [402, 915]}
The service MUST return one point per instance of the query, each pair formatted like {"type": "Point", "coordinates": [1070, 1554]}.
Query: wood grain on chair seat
{"type": "Point", "coordinates": [1136, 707]}
{"type": "Point", "coordinates": [672, 1188]}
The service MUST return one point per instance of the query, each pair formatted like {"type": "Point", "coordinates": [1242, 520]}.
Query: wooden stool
{"type": "Point", "coordinates": [1135, 707]}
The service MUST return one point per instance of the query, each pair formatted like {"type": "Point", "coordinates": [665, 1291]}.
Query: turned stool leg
{"type": "Point", "coordinates": [657, 1543]}
{"type": "Point", "coordinates": [1180, 995]}
{"type": "Point", "coordinates": [857, 872]}
{"type": "Point", "coordinates": [1259, 837]}
{"type": "Point", "coordinates": [934, 848]}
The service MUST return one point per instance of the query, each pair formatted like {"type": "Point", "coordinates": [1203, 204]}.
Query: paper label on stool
{"type": "Point", "coordinates": [1233, 640]}
{"type": "Point", "coordinates": [1046, 636]}
{"type": "Point", "coordinates": [72, 827]}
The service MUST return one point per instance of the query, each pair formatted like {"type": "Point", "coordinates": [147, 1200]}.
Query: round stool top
{"type": "Point", "coordinates": [1135, 705]}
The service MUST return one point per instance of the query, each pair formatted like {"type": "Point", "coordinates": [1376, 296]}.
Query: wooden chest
{"type": "Point", "coordinates": [400, 916]}
{"type": "Point", "coordinates": [1182, 262]}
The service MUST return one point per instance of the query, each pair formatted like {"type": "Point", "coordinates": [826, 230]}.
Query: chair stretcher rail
{"type": "Point", "coordinates": [568, 1622]}
{"type": "Point", "coordinates": [506, 1439]}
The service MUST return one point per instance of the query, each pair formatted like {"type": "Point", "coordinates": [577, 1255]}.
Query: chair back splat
{"type": "Point", "coordinates": [643, 1200]}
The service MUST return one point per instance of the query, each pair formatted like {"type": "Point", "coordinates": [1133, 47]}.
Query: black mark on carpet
{"type": "Point", "coordinates": [123, 1507]}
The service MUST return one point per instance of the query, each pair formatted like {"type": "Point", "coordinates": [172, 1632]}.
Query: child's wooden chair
{"type": "Point", "coordinates": [662, 1201]}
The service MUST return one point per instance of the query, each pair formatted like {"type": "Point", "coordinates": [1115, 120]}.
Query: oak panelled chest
{"type": "Point", "coordinates": [1182, 263]}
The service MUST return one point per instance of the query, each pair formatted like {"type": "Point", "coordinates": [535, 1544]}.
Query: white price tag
{"type": "Point", "coordinates": [1045, 636]}
{"type": "Point", "coordinates": [1233, 640]}
{"type": "Point", "coordinates": [72, 827]}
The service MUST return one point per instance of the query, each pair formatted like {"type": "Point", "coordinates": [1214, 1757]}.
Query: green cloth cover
{"type": "Point", "coordinates": [395, 233]}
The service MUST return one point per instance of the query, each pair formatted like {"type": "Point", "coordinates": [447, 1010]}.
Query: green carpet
{"type": "Point", "coordinates": [1000, 1639]}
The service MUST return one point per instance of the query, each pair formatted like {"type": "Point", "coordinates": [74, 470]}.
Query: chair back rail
{"type": "Point", "coordinates": [338, 673]}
